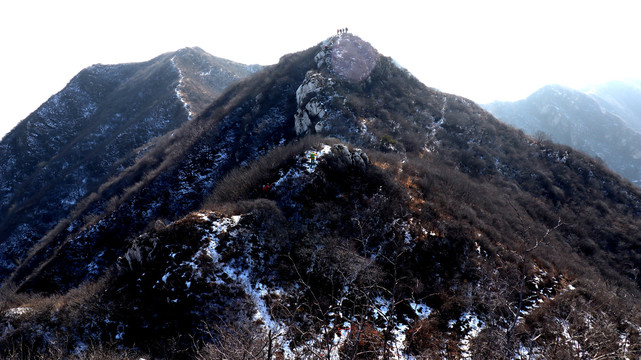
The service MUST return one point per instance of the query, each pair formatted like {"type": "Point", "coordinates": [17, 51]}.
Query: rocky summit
{"type": "Point", "coordinates": [332, 206]}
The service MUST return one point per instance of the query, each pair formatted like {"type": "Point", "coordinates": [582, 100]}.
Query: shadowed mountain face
{"type": "Point", "coordinates": [88, 132]}
{"type": "Point", "coordinates": [332, 206]}
{"type": "Point", "coordinates": [579, 120]}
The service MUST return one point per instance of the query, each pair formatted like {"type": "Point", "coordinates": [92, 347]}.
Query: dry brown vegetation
{"type": "Point", "coordinates": [453, 210]}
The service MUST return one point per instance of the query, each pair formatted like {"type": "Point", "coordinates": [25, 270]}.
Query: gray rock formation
{"type": "Point", "coordinates": [311, 97]}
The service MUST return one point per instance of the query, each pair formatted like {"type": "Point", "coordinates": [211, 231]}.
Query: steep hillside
{"type": "Point", "coordinates": [576, 119]}
{"type": "Point", "coordinates": [87, 133]}
{"type": "Point", "coordinates": [332, 206]}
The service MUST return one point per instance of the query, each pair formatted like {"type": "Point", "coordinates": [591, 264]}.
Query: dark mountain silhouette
{"type": "Point", "coordinates": [576, 119]}
{"type": "Point", "coordinates": [332, 206]}
{"type": "Point", "coordinates": [89, 132]}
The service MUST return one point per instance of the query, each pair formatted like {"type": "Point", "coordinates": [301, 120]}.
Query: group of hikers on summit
{"type": "Point", "coordinates": [338, 32]}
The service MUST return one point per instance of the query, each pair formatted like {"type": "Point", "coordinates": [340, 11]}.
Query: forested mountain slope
{"type": "Point", "coordinates": [89, 132]}
{"type": "Point", "coordinates": [332, 206]}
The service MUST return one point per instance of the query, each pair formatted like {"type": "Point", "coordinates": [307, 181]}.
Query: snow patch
{"type": "Point", "coordinates": [422, 311]}
{"type": "Point", "coordinates": [256, 292]}
{"type": "Point", "coordinates": [180, 85]}
{"type": "Point", "coordinates": [306, 164]}
{"type": "Point", "coordinates": [471, 324]}
{"type": "Point", "coordinates": [17, 312]}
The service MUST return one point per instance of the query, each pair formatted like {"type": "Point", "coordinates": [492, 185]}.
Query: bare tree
{"type": "Point", "coordinates": [541, 136]}
{"type": "Point", "coordinates": [239, 341]}
{"type": "Point", "coordinates": [529, 243]}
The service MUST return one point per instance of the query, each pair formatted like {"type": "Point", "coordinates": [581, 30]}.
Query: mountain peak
{"type": "Point", "coordinates": [334, 98]}
{"type": "Point", "coordinates": [555, 89]}
{"type": "Point", "coordinates": [191, 49]}
{"type": "Point", "coordinates": [412, 222]}
{"type": "Point", "coordinates": [193, 52]}
{"type": "Point", "coordinates": [348, 56]}
{"type": "Point", "coordinates": [577, 119]}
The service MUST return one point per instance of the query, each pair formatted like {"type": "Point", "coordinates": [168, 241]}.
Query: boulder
{"type": "Point", "coordinates": [356, 157]}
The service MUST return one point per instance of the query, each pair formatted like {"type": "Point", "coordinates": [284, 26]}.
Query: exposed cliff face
{"type": "Point", "coordinates": [311, 96]}
{"type": "Point", "coordinates": [88, 131]}
{"type": "Point", "coordinates": [409, 223]}
{"type": "Point", "coordinates": [576, 119]}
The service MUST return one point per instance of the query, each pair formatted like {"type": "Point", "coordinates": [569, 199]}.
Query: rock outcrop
{"type": "Point", "coordinates": [341, 58]}
{"type": "Point", "coordinates": [352, 59]}
{"type": "Point", "coordinates": [356, 157]}
{"type": "Point", "coordinates": [311, 97]}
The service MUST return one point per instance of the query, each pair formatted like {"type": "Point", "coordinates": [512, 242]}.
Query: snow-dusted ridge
{"type": "Point", "coordinates": [178, 88]}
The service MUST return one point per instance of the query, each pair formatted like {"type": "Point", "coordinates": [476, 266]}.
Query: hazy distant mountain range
{"type": "Point", "coordinates": [603, 121]}
{"type": "Point", "coordinates": [330, 206]}
{"type": "Point", "coordinates": [622, 98]}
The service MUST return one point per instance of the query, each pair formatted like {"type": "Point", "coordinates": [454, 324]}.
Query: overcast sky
{"type": "Point", "coordinates": [484, 50]}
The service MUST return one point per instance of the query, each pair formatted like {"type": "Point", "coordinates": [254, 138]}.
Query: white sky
{"type": "Point", "coordinates": [482, 49]}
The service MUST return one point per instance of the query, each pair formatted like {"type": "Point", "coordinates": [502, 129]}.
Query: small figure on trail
{"type": "Point", "coordinates": [312, 158]}
{"type": "Point", "coordinates": [346, 30]}
{"type": "Point", "coordinates": [338, 32]}
{"type": "Point", "coordinates": [266, 187]}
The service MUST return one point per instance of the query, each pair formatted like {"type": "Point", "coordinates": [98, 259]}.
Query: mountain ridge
{"type": "Point", "coordinates": [80, 135]}
{"type": "Point", "coordinates": [621, 98]}
{"type": "Point", "coordinates": [579, 120]}
{"type": "Point", "coordinates": [307, 214]}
